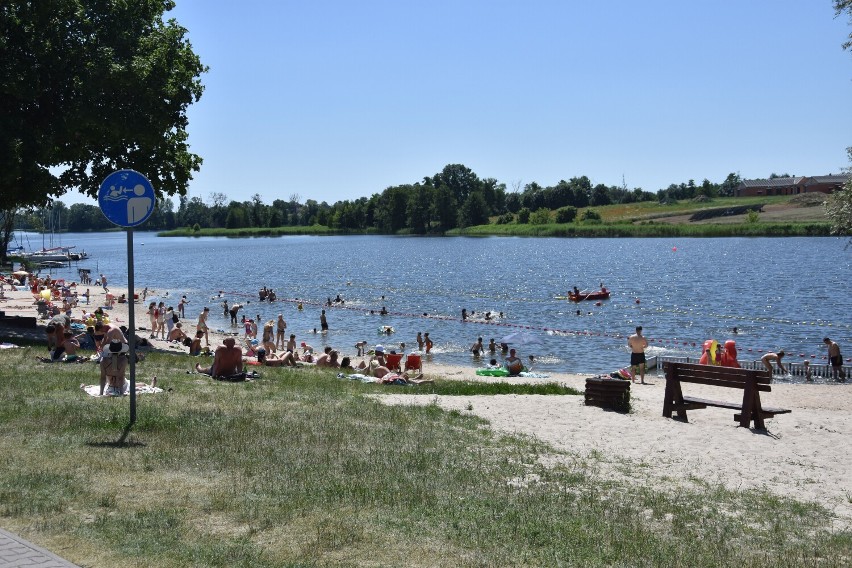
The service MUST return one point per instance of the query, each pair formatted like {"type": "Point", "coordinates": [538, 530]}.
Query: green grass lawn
{"type": "Point", "coordinates": [300, 468]}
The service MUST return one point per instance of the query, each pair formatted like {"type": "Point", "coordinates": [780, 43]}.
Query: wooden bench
{"type": "Point", "coordinates": [752, 383]}
{"type": "Point", "coordinates": [613, 394]}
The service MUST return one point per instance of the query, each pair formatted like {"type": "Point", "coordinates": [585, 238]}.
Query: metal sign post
{"type": "Point", "coordinates": [127, 199]}
{"type": "Point", "coordinates": [131, 325]}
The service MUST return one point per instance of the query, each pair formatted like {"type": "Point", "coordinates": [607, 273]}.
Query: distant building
{"type": "Point", "coordinates": [791, 185]}
{"type": "Point", "coordinates": [825, 184]}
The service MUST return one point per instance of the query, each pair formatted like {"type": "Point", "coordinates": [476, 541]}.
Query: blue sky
{"type": "Point", "coordinates": [336, 100]}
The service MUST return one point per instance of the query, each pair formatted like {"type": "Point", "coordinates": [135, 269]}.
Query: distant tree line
{"type": "Point", "coordinates": [453, 198]}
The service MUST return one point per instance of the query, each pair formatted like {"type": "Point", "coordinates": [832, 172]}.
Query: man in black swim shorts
{"type": "Point", "coordinates": [637, 345]}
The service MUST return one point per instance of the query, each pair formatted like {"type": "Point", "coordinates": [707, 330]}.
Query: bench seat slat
{"type": "Point", "coordinates": [722, 383]}
{"type": "Point", "coordinates": [708, 402]}
{"type": "Point", "coordinates": [715, 372]}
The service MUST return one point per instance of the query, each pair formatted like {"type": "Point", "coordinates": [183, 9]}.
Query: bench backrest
{"type": "Point", "coordinates": [718, 376]}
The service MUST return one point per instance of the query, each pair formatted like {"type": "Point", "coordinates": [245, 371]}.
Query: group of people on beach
{"type": "Point", "coordinates": [229, 360]}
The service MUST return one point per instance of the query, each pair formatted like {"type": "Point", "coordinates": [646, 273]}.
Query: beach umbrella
{"type": "Point", "coordinates": [521, 339]}
{"type": "Point", "coordinates": [20, 273]}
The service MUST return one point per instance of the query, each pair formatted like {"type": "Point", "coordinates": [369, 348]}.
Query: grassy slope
{"type": "Point", "coordinates": [301, 469]}
{"type": "Point", "coordinates": [645, 219]}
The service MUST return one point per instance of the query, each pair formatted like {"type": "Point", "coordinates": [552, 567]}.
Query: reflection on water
{"type": "Point", "coordinates": [779, 293]}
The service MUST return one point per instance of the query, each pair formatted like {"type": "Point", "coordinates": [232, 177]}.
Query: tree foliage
{"type": "Point", "coordinates": [88, 87]}
{"type": "Point", "coordinates": [838, 206]}
{"type": "Point", "coordinates": [841, 6]}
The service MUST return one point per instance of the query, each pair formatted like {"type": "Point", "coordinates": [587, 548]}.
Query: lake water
{"type": "Point", "coordinates": [781, 293]}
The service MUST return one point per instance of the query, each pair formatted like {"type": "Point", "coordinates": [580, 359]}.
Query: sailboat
{"type": "Point", "coordinates": [51, 256]}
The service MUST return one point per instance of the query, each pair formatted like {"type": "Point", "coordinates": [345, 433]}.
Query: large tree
{"type": "Point", "coordinates": [839, 206]}
{"type": "Point", "coordinates": [88, 87]}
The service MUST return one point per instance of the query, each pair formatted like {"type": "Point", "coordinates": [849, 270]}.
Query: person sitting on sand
{"type": "Point", "coordinates": [514, 364]}
{"type": "Point", "coordinates": [282, 359]}
{"type": "Point", "coordinates": [379, 355]}
{"type": "Point", "coordinates": [177, 334]}
{"type": "Point", "coordinates": [769, 357]}
{"type": "Point", "coordinates": [195, 346]}
{"type": "Point", "coordinates": [227, 360]}
{"type": "Point", "coordinates": [328, 359]}
{"type": "Point", "coordinates": [113, 367]}
{"type": "Point", "coordinates": [71, 346]}
{"type": "Point", "coordinates": [55, 340]}
{"type": "Point", "coordinates": [105, 333]}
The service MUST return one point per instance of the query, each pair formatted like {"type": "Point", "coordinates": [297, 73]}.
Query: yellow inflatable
{"type": "Point", "coordinates": [45, 294]}
{"type": "Point", "coordinates": [711, 353]}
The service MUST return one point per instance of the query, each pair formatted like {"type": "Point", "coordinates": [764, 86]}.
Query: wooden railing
{"type": "Point", "coordinates": [796, 369]}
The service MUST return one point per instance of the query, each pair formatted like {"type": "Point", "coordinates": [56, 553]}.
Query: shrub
{"type": "Point", "coordinates": [752, 216]}
{"type": "Point", "coordinates": [524, 215]}
{"type": "Point", "coordinates": [540, 217]}
{"type": "Point", "coordinates": [590, 216]}
{"type": "Point", "coordinates": [505, 219]}
{"type": "Point", "coordinates": [196, 228]}
{"type": "Point", "coordinates": [566, 214]}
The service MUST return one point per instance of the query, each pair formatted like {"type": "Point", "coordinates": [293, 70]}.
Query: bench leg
{"type": "Point", "coordinates": [751, 408]}
{"type": "Point", "coordinates": [674, 396]}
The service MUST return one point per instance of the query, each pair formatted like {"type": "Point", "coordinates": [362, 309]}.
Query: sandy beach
{"type": "Point", "coordinates": [804, 455]}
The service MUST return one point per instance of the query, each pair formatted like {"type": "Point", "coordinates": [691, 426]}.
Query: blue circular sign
{"type": "Point", "coordinates": [127, 198]}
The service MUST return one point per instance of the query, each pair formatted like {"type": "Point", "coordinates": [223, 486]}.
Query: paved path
{"type": "Point", "coordinates": [15, 551]}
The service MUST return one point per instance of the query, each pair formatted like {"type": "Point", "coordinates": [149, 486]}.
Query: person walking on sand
{"type": "Point", "coordinates": [202, 325]}
{"type": "Point", "coordinates": [280, 335]}
{"type": "Point", "coordinates": [637, 344]}
{"type": "Point", "coordinates": [182, 306]}
{"type": "Point", "coordinates": [835, 359]}
{"type": "Point", "coordinates": [769, 357]}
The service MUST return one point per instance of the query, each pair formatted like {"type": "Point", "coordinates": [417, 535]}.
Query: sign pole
{"type": "Point", "coordinates": [131, 325]}
{"type": "Point", "coordinates": [127, 199]}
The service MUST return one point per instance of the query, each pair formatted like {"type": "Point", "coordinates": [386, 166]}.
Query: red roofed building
{"type": "Point", "coordinates": [791, 185]}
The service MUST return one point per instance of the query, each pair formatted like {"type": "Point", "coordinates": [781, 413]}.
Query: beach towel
{"type": "Point", "coordinates": [357, 377]}
{"type": "Point", "coordinates": [94, 390]}
{"type": "Point", "coordinates": [238, 378]}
